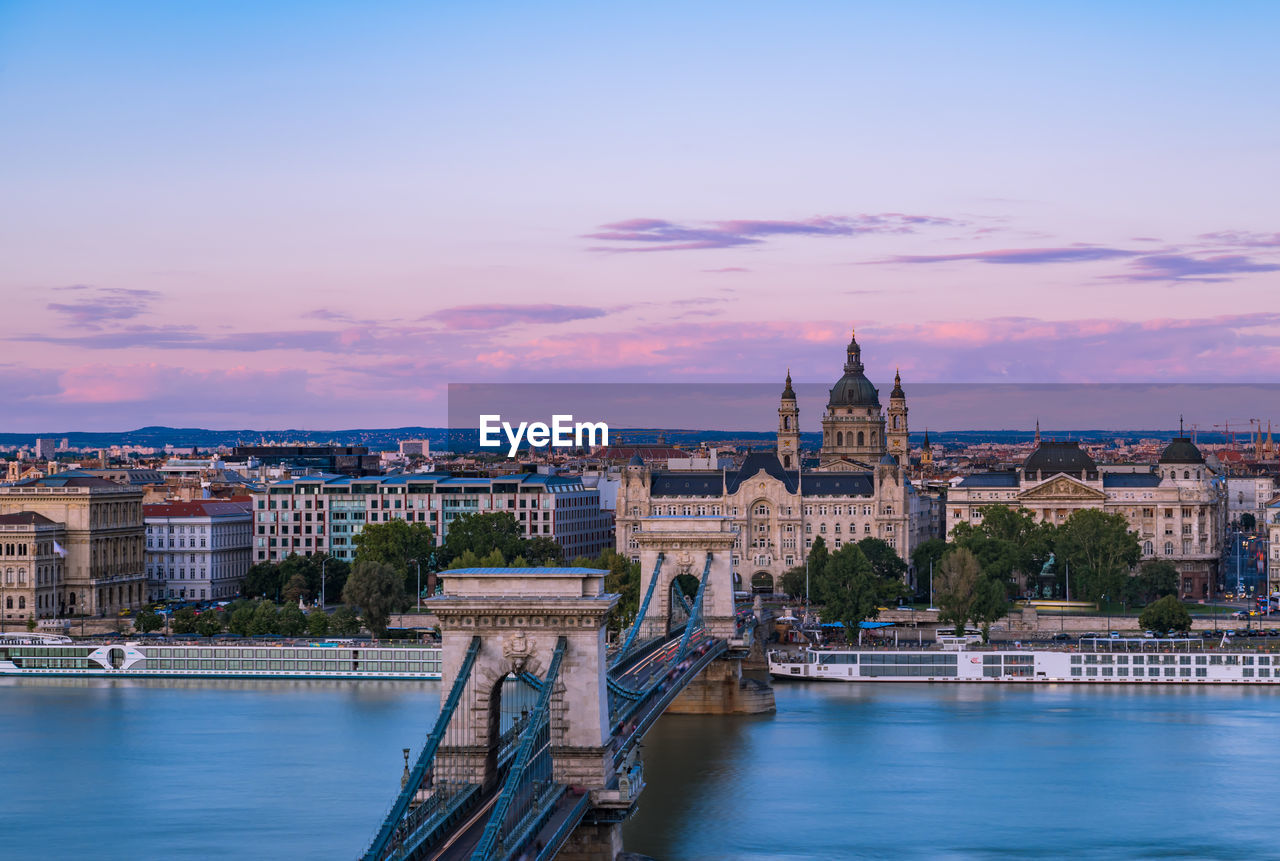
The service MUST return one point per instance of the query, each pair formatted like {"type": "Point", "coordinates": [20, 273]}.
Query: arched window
{"type": "Point", "coordinates": [1186, 473]}
{"type": "Point", "coordinates": [1148, 549]}
{"type": "Point", "coordinates": [1168, 548]}
{"type": "Point", "coordinates": [8, 602]}
{"type": "Point", "coordinates": [861, 438]}
{"type": "Point", "coordinates": [897, 422]}
{"type": "Point", "coordinates": [786, 461]}
{"type": "Point", "coordinates": [22, 602]}
{"type": "Point", "coordinates": [873, 437]}
{"type": "Point", "coordinates": [786, 422]}
{"type": "Point", "coordinates": [840, 438]}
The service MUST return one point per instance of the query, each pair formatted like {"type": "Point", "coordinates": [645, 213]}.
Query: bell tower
{"type": "Point", "coordinates": [896, 427]}
{"type": "Point", "coordinates": [789, 428]}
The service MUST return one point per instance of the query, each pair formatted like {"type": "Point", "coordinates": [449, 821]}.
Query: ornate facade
{"type": "Point", "coordinates": [854, 435]}
{"type": "Point", "coordinates": [775, 509]}
{"type": "Point", "coordinates": [1177, 509]}
{"type": "Point", "coordinates": [102, 568]}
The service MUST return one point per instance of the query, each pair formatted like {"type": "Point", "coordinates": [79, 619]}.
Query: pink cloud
{"type": "Point", "coordinates": [654, 234]}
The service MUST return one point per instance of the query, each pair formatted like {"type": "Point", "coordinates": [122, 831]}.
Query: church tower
{"type": "Point", "coordinates": [853, 423]}
{"type": "Point", "coordinates": [899, 446]}
{"type": "Point", "coordinates": [789, 428]}
{"type": "Point", "coordinates": [926, 453]}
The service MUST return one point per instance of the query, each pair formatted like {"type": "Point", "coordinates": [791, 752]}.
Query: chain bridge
{"type": "Point", "coordinates": [534, 752]}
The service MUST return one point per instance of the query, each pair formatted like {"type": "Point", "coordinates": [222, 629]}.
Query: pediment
{"type": "Point", "coordinates": [1062, 487]}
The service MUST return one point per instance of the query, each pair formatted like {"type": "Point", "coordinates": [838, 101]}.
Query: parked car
{"type": "Point", "coordinates": [1061, 636]}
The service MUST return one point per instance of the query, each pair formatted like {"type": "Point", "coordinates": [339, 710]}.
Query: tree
{"type": "Point", "coordinates": [852, 592]}
{"type": "Point", "coordinates": [147, 621]}
{"type": "Point", "coordinates": [398, 543]}
{"type": "Point", "coordinates": [291, 621]}
{"type": "Point", "coordinates": [793, 581]}
{"type": "Point", "coordinates": [184, 621]}
{"type": "Point", "coordinates": [818, 559]}
{"type": "Point", "coordinates": [623, 580]}
{"type": "Point", "coordinates": [1167, 614]}
{"type": "Point", "coordinates": [991, 603]}
{"type": "Point", "coordinates": [378, 589]}
{"type": "Point", "coordinates": [264, 620]}
{"type": "Point", "coordinates": [262, 580]}
{"type": "Point", "coordinates": [241, 623]}
{"type": "Point", "coordinates": [1248, 522]}
{"type": "Point", "coordinates": [956, 587]}
{"type": "Point", "coordinates": [1155, 579]}
{"type": "Point", "coordinates": [884, 560]}
{"type": "Point", "coordinates": [543, 551]}
{"type": "Point", "coordinates": [482, 534]}
{"type": "Point", "coordinates": [1100, 550]}
{"type": "Point", "coordinates": [318, 623]}
{"type": "Point", "coordinates": [209, 623]}
{"type": "Point", "coordinates": [1008, 543]}
{"type": "Point", "coordinates": [925, 558]}
{"type": "Point", "coordinates": [344, 623]}
{"type": "Point", "coordinates": [295, 588]}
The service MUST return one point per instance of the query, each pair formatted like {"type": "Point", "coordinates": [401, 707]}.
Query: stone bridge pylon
{"type": "Point", "coordinates": [671, 548]}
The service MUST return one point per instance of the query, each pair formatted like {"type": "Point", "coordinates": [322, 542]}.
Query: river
{"type": "Point", "coordinates": [259, 769]}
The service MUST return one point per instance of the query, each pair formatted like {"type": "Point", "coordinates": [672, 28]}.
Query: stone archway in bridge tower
{"type": "Point", "coordinates": [519, 619]}
{"type": "Point", "coordinates": [683, 546]}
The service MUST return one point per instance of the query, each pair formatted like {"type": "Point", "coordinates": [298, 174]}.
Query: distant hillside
{"type": "Point", "coordinates": [386, 439]}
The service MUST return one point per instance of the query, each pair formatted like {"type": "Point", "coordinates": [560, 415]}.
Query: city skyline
{"type": "Point", "coordinates": [277, 217]}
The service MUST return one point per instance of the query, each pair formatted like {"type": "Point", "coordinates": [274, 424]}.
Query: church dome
{"type": "Point", "coordinates": [854, 389]}
{"type": "Point", "coordinates": [1181, 450]}
{"type": "Point", "coordinates": [1054, 457]}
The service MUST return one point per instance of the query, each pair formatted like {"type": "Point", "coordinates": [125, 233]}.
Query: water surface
{"type": "Point", "coordinates": [914, 771]}
{"type": "Point", "coordinates": [194, 769]}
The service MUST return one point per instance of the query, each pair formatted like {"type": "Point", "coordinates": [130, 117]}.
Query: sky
{"type": "Point", "coordinates": [321, 214]}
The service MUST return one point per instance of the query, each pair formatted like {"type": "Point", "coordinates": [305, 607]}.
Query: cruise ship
{"type": "Point", "coordinates": [38, 655]}
{"type": "Point", "coordinates": [1101, 661]}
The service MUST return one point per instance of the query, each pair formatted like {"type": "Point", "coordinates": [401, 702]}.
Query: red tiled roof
{"type": "Point", "coordinates": [201, 508]}
{"type": "Point", "coordinates": [25, 518]}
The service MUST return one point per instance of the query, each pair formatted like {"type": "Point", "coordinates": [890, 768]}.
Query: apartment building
{"type": "Point", "coordinates": [198, 550]}
{"type": "Point", "coordinates": [324, 513]}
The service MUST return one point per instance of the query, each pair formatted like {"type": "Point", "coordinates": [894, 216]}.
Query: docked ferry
{"type": "Point", "coordinates": [59, 656]}
{"type": "Point", "coordinates": [1125, 661]}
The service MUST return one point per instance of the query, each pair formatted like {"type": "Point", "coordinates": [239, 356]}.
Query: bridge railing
{"type": "Point", "coordinates": [695, 617]}
{"type": "Point", "coordinates": [529, 789]}
{"type": "Point", "coordinates": [640, 615]}
{"type": "Point", "coordinates": [392, 823]}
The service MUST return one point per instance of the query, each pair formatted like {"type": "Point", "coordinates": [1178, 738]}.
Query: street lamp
{"type": "Point", "coordinates": [323, 561]}
{"type": "Point", "coordinates": [418, 600]}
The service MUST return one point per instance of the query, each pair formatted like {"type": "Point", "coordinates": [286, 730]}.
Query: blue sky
{"type": "Point", "coordinates": [230, 214]}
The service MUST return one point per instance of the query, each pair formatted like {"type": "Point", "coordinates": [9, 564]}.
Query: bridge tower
{"type": "Point", "coordinates": [671, 548]}
{"type": "Point", "coordinates": [519, 614]}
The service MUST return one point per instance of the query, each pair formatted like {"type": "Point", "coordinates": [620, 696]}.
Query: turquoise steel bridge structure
{"type": "Point", "coordinates": [534, 751]}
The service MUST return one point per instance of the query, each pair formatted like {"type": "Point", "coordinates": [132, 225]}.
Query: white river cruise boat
{"type": "Point", "coordinates": [1100, 661]}
{"type": "Point", "coordinates": [41, 655]}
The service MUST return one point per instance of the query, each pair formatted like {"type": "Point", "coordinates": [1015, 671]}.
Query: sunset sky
{"type": "Point", "coordinates": [320, 214]}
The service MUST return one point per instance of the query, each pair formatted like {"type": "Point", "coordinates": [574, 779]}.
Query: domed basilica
{"type": "Point", "coordinates": [774, 509]}
{"type": "Point", "coordinates": [856, 433]}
